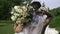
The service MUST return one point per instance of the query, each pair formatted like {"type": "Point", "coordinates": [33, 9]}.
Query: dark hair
{"type": "Point", "coordinates": [36, 3]}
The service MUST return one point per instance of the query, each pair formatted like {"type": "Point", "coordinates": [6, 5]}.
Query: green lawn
{"type": "Point", "coordinates": [6, 28]}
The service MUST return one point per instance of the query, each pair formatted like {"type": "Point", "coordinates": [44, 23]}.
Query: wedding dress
{"type": "Point", "coordinates": [36, 25]}
{"type": "Point", "coordinates": [51, 30]}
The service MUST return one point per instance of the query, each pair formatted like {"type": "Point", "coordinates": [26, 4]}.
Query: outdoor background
{"type": "Point", "coordinates": [6, 24]}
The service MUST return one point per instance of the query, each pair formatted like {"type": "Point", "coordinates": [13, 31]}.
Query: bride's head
{"type": "Point", "coordinates": [36, 5]}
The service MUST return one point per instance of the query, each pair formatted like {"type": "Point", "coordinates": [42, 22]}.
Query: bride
{"type": "Point", "coordinates": [38, 24]}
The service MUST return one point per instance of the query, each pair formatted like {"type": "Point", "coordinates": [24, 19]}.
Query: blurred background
{"type": "Point", "coordinates": [6, 24]}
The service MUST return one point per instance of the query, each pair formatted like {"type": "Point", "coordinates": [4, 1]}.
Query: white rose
{"type": "Point", "coordinates": [16, 14]}
{"type": "Point", "coordinates": [12, 12]}
{"type": "Point", "coordinates": [13, 18]}
{"type": "Point", "coordinates": [24, 8]}
{"type": "Point", "coordinates": [19, 10]}
{"type": "Point", "coordinates": [16, 7]}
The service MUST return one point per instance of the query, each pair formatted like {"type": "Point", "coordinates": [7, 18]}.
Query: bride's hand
{"type": "Point", "coordinates": [17, 28]}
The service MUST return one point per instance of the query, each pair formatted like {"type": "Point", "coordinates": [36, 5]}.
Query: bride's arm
{"type": "Point", "coordinates": [47, 21]}
{"type": "Point", "coordinates": [49, 17]}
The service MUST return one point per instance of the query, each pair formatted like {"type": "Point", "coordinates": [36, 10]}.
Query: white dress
{"type": "Point", "coordinates": [51, 30]}
{"type": "Point", "coordinates": [36, 25]}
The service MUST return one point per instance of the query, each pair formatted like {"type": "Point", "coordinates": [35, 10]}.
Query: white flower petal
{"type": "Point", "coordinates": [12, 12]}
{"type": "Point", "coordinates": [16, 7]}
{"type": "Point", "coordinates": [13, 18]}
{"type": "Point", "coordinates": [16, 14]}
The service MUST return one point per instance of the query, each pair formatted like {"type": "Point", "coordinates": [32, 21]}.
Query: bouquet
{"type": "Point", "coordinates": [21, 15]}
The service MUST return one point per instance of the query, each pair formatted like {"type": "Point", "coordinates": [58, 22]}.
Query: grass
{"type": "Point", "coordinates": [6, 28]}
